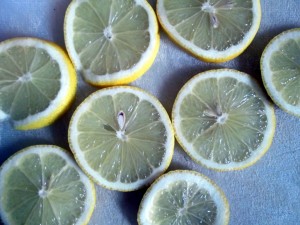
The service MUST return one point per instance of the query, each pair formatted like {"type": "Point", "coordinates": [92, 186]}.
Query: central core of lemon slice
{"type": "Point", "coordinates": [213, 10]}
{"type": "Point", "coordinates": [181, 211]}
{"type": "Point", "coordinates": [42, 192]}
{"type": "Point", "coordinates": [26, 77]}
{"type": "Point", "coordinates": [222, 118]}
{"type": "Point", "coordinates": [108, 33]}
{"type": "Point", "coordinates": [121, 122]}
{"type": "Point", "coordinates": [207, 7]}
{"type": "Point", "coordinates": [217, 115]}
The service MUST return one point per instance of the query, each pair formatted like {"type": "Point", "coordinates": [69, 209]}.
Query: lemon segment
{"type": "Point", "coordinates": [280, 67]}
{"type": "Point", "coordinates": [183, 197]}
{"type": "Point", "coordinates": [37, 82]}
{"type": "Point", "coordinates": [111, 42]}
{"type": "Point", "coordinates": [212, 30]}
{"type": "Point", "coordinates": [122, 138]}
{"type": "Point", "coordinates": [223, 120]}
{"type": "Point", "coordinates": [43, 185]}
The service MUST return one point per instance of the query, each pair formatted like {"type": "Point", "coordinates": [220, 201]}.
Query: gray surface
{"type": "Point", "coordinates": [266, 193]}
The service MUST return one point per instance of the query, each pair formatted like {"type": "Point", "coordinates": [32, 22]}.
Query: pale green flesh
{"type": "Point", "coordinates": [221, 25]}
{"type": "Point", "coordinates": [65, 198]}
{"type": "Point", "coordinates": [107, 52]}
{"type": "Point", "coordinates": [29, 81]}
{"type": "Point", "coordinates": [183, 203]}
{"type": "Point", "coordinates": [285, 68]}
{"type": "Point", "coordinates": [233, 139]}
{"type": "Point", "coordinates": [116, 159]}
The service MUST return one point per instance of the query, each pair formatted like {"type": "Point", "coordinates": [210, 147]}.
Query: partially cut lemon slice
{"type": "Point", "coordinates": [42, 184]}
{"type": "Point", "coordinates": [280, 67]}
{"type": "Point", "coordinates": [212, 30]}
{"type": "Point", "coordinates": [183, 197]}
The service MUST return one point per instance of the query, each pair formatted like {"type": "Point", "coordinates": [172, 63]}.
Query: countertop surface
{"type": "Point", "coordinates": [266, 193]}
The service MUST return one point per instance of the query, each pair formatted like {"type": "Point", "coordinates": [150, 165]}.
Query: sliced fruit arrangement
{"type": "Point", "coordinates": [183, 197]}
{"type": "Point", "coordinates": [111, 42]}
{"type": "Point", "coordinates": [223, 120]}
{"type": "Point", "coordinates": [122, 138]}
{"type": "Point", "coordinates": [37, 82]}
{"type": "Point", "coordinates": [212, 30]}
{"type": "Point", "coordinates": [42, 184]}
{"type": "Point", "coordinates": [280, 67]}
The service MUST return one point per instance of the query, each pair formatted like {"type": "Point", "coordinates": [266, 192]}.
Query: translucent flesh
{"type": "Point", "coordinates": [65, 196]}
{"type": "Point", "coordinates": [241, 131]}
{"type": "Point", "coordinates": [183, 203]}
{"type": "Point", "coordinates": [29, 81]}
{"type": "Point", "coordinates": [285, 67]}
{"type": "Point", "coordinates": [214, 24]}
{"type": "Point", "coordinates": [122, 159]}
{"type": "Point", "coordinates": [110, 36]}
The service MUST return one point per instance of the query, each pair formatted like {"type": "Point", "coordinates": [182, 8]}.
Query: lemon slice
{"type": "Point", "coordinates": [37, 82]}
{"type": "Point", "coordinates": [111, 42]}
{"type": "Point", "coordinates": [280, 67]}
{"type": "Point", "coordinates": [183, 197]}
{"type": "Point", "coordinates": [43, 185]}
{"type": "Point", "coordinates": [212, 30]}
{"type": "Point", "coordinates": [122, 138]}
{"type": "Point", "coordinates": [223, 120]}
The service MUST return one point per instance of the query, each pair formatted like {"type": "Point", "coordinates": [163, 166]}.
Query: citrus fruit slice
{"type": "Point", "coordinates": [212, 30]}
{"type": "Point", "coordinates": [183, 197]}
{"type": "Point", "coordinates": [37, 82]}
{"type": "Point", "coordinates": [111, 42]}
{"type": "Point", "coordinates": [42, 184]}
{"type": "Point", "coordinates": [122, 138]}
{"type": "Point", "coordinates": [223, 120]}
{"type": "Point", "coordinates": [280, 67]}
